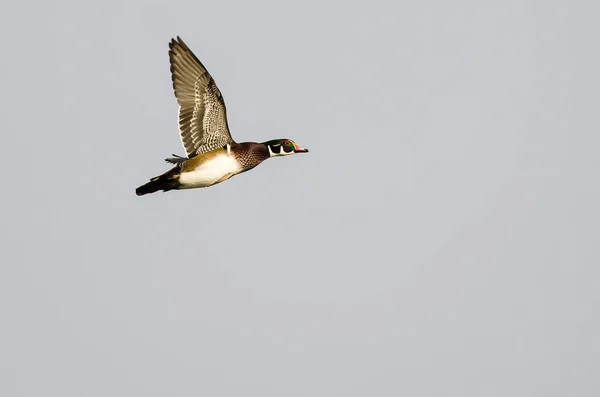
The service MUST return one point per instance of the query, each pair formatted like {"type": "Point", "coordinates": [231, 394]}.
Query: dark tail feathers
{"type": "Point", "coordinates": [164, 182]}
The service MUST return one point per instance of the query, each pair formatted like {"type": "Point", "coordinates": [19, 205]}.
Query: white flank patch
{"type": "Point", "coordinates": [215, 170]}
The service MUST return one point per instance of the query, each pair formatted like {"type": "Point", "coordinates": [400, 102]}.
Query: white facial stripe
{"type": "Point", "coordinates": [281, 152]}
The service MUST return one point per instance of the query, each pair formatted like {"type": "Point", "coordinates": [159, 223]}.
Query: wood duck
{"type": "Point", "coordinates": [212, 155]}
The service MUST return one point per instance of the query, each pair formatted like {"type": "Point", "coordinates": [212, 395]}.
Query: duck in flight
{"type": "Point", "coordinates": [212, 155]}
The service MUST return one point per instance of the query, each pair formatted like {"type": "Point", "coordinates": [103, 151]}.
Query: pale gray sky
{"type": "Point", "coordinates": [440, 238]}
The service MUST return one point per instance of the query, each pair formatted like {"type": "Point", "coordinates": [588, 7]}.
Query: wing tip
{"type": "Point", "coordinates": [178, 42]}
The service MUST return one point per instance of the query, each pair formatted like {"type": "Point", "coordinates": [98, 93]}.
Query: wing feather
{"type": "Point", "coordinates": [202, 113]}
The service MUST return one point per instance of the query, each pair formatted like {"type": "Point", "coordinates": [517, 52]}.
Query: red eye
{"type": "Point", "coordinates": [286, 142]}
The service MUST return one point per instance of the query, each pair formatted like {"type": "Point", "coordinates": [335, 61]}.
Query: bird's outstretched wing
{"type": "Point", "coordinates": [202, 114]}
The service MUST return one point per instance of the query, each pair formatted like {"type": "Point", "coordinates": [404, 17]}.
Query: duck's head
{"type": "Point", "coordinates": [283, 147]}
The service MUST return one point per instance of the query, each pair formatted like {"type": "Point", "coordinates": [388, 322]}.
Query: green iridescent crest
{"type": "Point", "coordinates": [289, 144]}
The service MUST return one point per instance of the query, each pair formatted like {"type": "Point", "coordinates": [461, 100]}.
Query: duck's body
{"type": "Point", "coordinates": [213, 156]}
{"type": "Point", "coordinates": [209, 168]}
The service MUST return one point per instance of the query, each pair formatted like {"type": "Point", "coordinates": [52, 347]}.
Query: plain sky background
{"type": "Point", "coordinates": [440, 239]}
